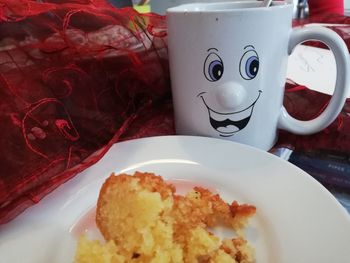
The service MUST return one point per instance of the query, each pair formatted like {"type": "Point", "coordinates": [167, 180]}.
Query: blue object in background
{"type": "Point", "coordinates": [121, 3]}
{"type": "Point", "coordinates": [332, 169]}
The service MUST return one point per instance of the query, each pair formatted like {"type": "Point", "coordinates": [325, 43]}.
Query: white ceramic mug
{"type": "Point", "coordinates": [228, 65]}
{"type": "Point", "coordinates": [160, 6]}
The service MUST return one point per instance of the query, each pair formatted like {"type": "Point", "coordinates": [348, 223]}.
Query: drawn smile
{"type": "Point", "coordinates": [229, 123]}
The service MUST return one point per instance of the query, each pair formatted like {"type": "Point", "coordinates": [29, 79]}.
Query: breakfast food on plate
{"type": "Point", "coordinates": [143, 220]}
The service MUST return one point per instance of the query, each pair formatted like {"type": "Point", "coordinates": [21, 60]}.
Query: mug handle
{"type": "Point", "coordinates": [341, 55]}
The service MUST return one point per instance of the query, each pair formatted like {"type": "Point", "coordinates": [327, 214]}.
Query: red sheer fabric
{"type": "Point", "coordinates": [324, 7]}
{"type": "Point", "coordinates": [75, 77]}
{"type": "Point", "coordinates": [306, 104]}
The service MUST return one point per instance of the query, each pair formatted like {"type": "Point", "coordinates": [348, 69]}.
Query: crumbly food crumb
{"type": "Point", "coordinates": [143, 220]}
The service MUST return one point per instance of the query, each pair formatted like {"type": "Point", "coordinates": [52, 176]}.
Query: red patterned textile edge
{"type": "Point", "coordinates": [75, 77]}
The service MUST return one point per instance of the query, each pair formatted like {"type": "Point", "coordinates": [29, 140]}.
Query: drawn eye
{"type": "Point", "coordinates": [249, 65]}
{"type": "Point", "coordinates": [213, 67]}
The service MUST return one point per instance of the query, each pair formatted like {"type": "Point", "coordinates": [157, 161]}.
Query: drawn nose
{"type": "Point", "coordinates": [231, 95]}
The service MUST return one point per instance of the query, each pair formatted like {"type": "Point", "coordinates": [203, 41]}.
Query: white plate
{"type": "Point", "coordinates": [297, 221]}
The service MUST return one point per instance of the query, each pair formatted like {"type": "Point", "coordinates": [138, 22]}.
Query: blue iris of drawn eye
{"type": "Point", "coordinates": [213, 67]}
{"type": "Point", "coordinates": [252, 67]}
{"type": "Point", "coordinates": [215, 70]}
{"type": "Point", "coordinates": [249, 65]}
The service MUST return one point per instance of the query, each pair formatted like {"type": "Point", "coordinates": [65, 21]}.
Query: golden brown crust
{"type": "Point", "coordinates": [143, 216]}
{"type": "Point", "coordinates": [155, 183]}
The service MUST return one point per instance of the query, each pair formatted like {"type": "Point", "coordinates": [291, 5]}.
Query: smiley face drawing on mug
{"type": "Point", "coordinates": [230, 104]}
{"type": "Point", "coordinates": [228, 70]}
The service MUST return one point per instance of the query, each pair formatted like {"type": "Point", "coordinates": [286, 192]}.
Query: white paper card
{"type": "Point", "coordinates": [313, 67]}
